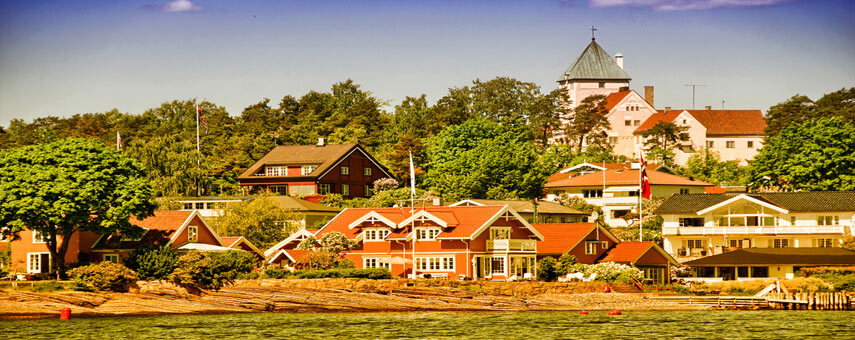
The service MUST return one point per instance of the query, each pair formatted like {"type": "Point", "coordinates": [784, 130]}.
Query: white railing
{"type": "Point", "coordinates": [755, 230]}
{"type": "Point", "coordinates": [525, 245]}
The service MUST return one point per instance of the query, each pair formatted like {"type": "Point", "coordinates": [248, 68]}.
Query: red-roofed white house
{"type": "Point", "coordinates": [736, 135]}
{"type": "Point", "coordinates": [480, 242]}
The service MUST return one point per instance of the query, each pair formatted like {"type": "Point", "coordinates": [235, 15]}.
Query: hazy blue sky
{"type": "Point", "coordinates": [66, 57]}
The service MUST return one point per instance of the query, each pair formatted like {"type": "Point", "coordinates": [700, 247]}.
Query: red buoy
{"type": "Point", "coordinates": [65, 314]}
{"type": "Point", "coordinates": [607, 289]}
{"type": "Point", "coordinates": [583, 313]}
{"type": "Point", "coordinates": [614, 312]}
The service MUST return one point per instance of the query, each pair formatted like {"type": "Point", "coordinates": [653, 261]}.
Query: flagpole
{"type": "Point", "coordinates": [197, 148]}
{"type": "Point", "coordinates": [412, 209]}
{"type": "Point", "coordinates": [118, 140]}
{"type": "Point", "coordinates": [640, 192]}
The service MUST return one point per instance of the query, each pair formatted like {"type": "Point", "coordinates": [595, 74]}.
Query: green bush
{"type": "Point", "coordinates": [275, 273]}
{"type": "Point", "coordinates": [104, 276]}
{"type": "Point", "coordinates": [212, 270]}
{"type": "Point", "coordinates": [546, 269]}
{"type": "Point", "coordinates": [372, 273]}
{"type": "Point", "coordinates": [152, 263]}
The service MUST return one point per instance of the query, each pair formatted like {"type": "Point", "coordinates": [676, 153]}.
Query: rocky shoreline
{"type": "Point", "coordinates": [332, 295]}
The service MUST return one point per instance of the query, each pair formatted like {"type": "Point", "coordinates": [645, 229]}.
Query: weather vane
{"type": "Point", "coordinates": [593, 29]}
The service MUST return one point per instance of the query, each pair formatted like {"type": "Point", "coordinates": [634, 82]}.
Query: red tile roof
{"type": "Point", "coordinates": [297, 255]}
{"type": "Point", "coordinates": [624, 177]}
{"type": "Point", "coordinates": [626, 252]}
{"type": "Point", "coordinates": [228, 241]}
{"type": "Point", "coordinates": [717, 122]}
{"type": "Point", "coordinates": [615, 98]}
{"type": "Point", "coordinates": [166, 220]}
{"type": "Point", "coordinates": [714, 190]}
{"type": "Point", "coordinates": [609, 166]}
{"type": "Point", "coordinates": [468, 219]}
{"type": "Point", "coordinates": [560, 237]}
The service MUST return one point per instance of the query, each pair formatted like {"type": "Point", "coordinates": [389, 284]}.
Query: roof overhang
{"type": "Point", "coordinates": [423, 215]}
{"type": "Point", "coordinates": [467, 202]}
{"type": "Point", "coordinates": [186, 223]}
{"type": "Point", "coordinates": [743, 197]}
{"type": "Point", "coordinates": [374, 216]}
{"type": "Point", "coordinates": [506, 209]}
{"type": "Point", "coordinates": [289, 239]}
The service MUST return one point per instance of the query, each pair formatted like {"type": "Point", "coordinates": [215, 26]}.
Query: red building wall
{"type": "Point", "coordinates": [356, 162]}
{"type": "Point", "coordinates": [579, 250]}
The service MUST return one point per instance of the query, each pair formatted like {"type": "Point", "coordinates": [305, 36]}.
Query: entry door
{"type": "Point", "coordinates": [484, 267]}
{"type": "Point", "coordinates": [38, 263]}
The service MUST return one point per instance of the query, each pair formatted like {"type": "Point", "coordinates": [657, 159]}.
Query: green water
{"type": "Point", "coordinates": [524, 325]}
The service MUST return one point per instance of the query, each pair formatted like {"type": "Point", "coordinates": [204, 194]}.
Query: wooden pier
{"type": "Point", "coordinates": [791, 301]}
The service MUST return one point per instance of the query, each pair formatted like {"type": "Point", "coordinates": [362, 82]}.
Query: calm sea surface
{"type": "Point", "coordinates": [524, 325]}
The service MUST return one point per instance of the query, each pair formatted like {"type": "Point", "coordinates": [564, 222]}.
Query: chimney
{"type": "Point", "coordinates": [322, 141]}
{"type": "Point", "coordinates": [648, 95]}
{"type": "Point", "coordinates": [437, 201]}
{"type": "Point", "coordinates": [623, 88]}
{"type": "Point", "coordinates": [707, 107]}
{"type": "Point", "coordinates": [619, 60]}
{"type": "Point", "coordinates": [667, 108]}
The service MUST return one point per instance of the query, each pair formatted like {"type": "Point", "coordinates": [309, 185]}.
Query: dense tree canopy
{"type": "Point", "coordinates": [588, 124]}
{"type": "Point", "coordinates": [260, 220]}
{"type": "Point", "coordinates": [71, 185]}
{"type": "Point", "coordinates": [816, 155]}
{"type": "Point", "coordinates": [799, 109]}
{"type": "Point", "coordinates": [708, 167]}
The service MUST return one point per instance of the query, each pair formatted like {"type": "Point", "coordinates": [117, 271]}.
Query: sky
{"type": "Point", "coordinates": [66, 57]}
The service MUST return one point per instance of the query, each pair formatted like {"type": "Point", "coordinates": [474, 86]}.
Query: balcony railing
{"type": "Point", "coordinates": [522, 245]}
{"type": "Point", "coordinates": [754, 230]}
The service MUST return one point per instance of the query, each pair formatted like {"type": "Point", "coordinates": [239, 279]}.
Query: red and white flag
{"type": "Point", "coordinates": [645, 182]}
{"type": "Point", "coordinates": [202, 118]}
{"type": "Point", "coordinates": [118, 141]}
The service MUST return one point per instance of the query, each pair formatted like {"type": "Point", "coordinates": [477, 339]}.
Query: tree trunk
{"type": "Point", "coordinates": [581, 140]}
{"type": "Point", "coordinates": [58, 254]}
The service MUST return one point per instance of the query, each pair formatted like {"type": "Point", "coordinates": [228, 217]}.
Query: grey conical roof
{"type": "Point", "coordinates": [594, 64]}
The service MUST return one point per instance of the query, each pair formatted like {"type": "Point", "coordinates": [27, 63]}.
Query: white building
{"type": "Point", "coordinates": [709, 224]}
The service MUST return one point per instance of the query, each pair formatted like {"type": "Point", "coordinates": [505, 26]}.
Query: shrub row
{"type": "Point", "coordinates": [373, 273]}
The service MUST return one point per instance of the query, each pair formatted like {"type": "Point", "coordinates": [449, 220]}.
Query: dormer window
{"type": "Point", "coordinates": [427, 234]}
{"type": "Point", "coordinates": [375, 234]}
{"type": "Point", "coordinates": [275, 170]}
{"type": "Point", "coordinates": [308, 169]}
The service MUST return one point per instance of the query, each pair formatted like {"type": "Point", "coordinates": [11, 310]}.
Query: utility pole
{"type": "Point", "coordinates": [693, 93]}
{"type": "Point", "coordinates": [722, 104]}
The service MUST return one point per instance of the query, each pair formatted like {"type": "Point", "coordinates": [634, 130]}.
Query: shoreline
{"type": "Point", "coordinates": [332, 295]}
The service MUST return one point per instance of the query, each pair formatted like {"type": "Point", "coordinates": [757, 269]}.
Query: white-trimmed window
{"type": "Point", "coordinates": [710, 144]}
{"type": "Point", "coordinates": [324, 188]}
{"type": "Point", "coordinates": [827, 220]}
{"type": "Point", "coordinates": [781, 243]}
{"type": "Point", "coordinates": [500, 233]}
{"type": "Point", "coordinates": [375, 234]}
{"type": "Point", "coordinates": [376, 262]}
{"type": "Point", "coordinates": [345, 170]}
{"type": "Point", "coordinates": [368, 190]}
{"type": "Point", "coordinates": [111, 258]}
{"type": "Point", "coordinates": [307, 169]}
{"type": "Point", "coordinates": [192, 233]}
{"type": "Point", "coordinates": [38, 237]}
{"type": "Point", "coordinates": [435, 263]}
{"type": "Point", "coordinates": [427, 234]}
{"type": "Point", "coordinates": [498, 265]}
{"type": "Point", "coordinates": [592, 193]}
{"type": "Point", "coordinates": [823, 243]}
{"type": "Point", "coordinates": [188, 206]}
{"type": "Point", "coordinates": [366, 171]}
{"type": "Point", "coordinates": [695, 244]}
{"type": "Point", "coordinates": [276, 189]}
{"type": "Point", "coordinates": [36, 262]}
{"type": "Point", "coordinates": [277, 170]}
{"type": "Point", "coordinates": [591, 247]}
{"type": "Point", "coordinates": [792, 220]}
{"type": "Point", "coordinates": [730, 144]}
{"type": "Point", "coordinates": [345, 190]}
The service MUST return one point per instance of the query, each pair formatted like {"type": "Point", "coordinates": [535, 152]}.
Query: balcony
{"type": "Point", "coordinates": [509, 245]}
{"type": "Point", "coordinates": [754, 230]}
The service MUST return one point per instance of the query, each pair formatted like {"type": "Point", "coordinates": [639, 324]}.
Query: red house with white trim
{"type": "Point", "coordinates": [480, 242]}
{"type": "Point", "coordinates": [345, 169]}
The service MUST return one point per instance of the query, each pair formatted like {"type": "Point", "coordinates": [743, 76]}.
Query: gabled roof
{"type": "Point", "coordinates": [161, 229]}
{"type": "Point", "coordinates": [631, 252]}
{"type": "Point", "coordinates": [717, 122]}
{"type": "Point", "coordinates": [794, 202]}
{"type": "Point", "coordinates": [297, 235]}
{"type": "Point", "coordinates": [235, 242]}
{"type": "Point", "coordinates": [471, 220]}
{"type": "Point", "coordinates": [615, 98]}
{"type": "Point", "coordinates": [292, 255]}
{"type": "Point", "coordinates": [323, 157]}
{"type": "Point", "coordinates": [561, 237]}
{"type": "Point", "coordinates": [625, 178]}
{"type": "Point", "coordinates": [594, 64]}
{"type": "Point", "coordinates": [779, 256]}
{"type": "Point", "coordinates": [520, 206]}
{"type": "Point", "coordinates": [565, 172]}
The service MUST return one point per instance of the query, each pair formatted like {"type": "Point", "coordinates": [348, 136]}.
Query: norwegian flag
{"type": "Point", "coordinates": [202, 118]}
{"type": "Point", "coordinates": [645, 182]}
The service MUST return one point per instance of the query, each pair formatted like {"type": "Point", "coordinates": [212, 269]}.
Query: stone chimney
{"type": "Point", "coordinates": [619, 60]}
{"type": "Point", "coordinates": [322, 141]}
{"type": "Point", "coordinates": [648, 95]}
{"type": "Point", "coordinates": [667, 108]}
{"type": "Point", "coordinates": [707, 107]}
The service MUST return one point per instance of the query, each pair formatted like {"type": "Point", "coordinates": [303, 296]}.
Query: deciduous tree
{"type": "Point", "coordinates": [660, 141]}
{"type": "Point", "coordinates": [69, 186]}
